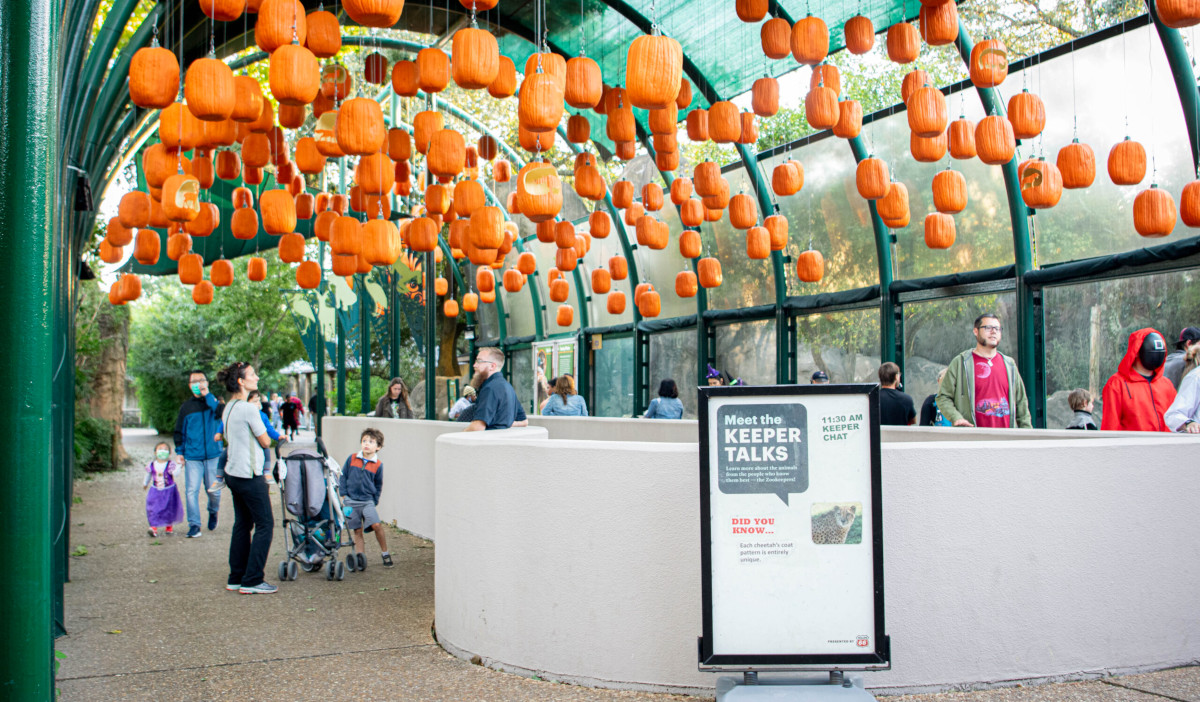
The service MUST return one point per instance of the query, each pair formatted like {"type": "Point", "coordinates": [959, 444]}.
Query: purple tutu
{"type": "Point", "coordinates": [163, 506]}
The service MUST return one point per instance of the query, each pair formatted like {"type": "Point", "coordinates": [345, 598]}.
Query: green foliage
{"type": "Point", "coordinates": [94, 441]}
{"type": "Point", "coordinates": [80, 551]}
{"type": "Point", "coordinates": [379, 386]}
{"type": "Point", "coordinates": [171, 336]}
{"type": "Point", "coordinates": [98, 325]}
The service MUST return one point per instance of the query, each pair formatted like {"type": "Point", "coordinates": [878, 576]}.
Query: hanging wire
{"type": "Point", "coordinates": [1153, 140]}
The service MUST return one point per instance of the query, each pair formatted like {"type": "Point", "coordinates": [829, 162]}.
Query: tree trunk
{"type": "Point", "coordinates": [107, 400]}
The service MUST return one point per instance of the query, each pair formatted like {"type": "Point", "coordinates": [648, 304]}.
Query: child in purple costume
{"type": "Point", "coordinates": [163, 506]}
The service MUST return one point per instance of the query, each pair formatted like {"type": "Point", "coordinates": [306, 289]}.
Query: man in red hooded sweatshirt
{"type": "Point", "coordinates": [1137, 396]}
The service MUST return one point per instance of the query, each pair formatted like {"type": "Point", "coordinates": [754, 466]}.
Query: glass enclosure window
{"type": "Point", "coordinates": [937, 331]}
{"type": "Point", "coordinates": [545, 263]}
{"type": "Point", "coordinates": [612, 369]}
{"type": "Point", "coordinates": [828, 210]}
{"type": "Point", "coordinates": [597, 257]}
{"type": "Point", "coordinates": [984, 228]}
{"type": "Point", "coordinates": [661, 266]}
{"type": "Point", "coordinates": [747, 282]}
{"type": "Point", "coordinates": [521, 361]}
{"type": "Point", "coordinates": [1123, 79]}
{"type": "Point", "coordinates": [843, 344]}
{"type": "Point", "coordinates": [673, 355]}
{"type": "Point", "coordinates": [1088, 328]}
{"type": "Point", "coordinates": [518, 306]}
{"type": "Point", "coordinates": [746, 351]}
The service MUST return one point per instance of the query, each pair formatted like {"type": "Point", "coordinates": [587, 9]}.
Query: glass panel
{"type": "Point", "coordinates": [984, 229]}
{"type": "Point", "coordinates": [1088, 327]}
{"type": "Point", "coordinates": [519, 305]}
{"type": "Point", "coordinates": [747, 282]}
{"type": "Point", "coordinates": [935, 332]}
{"type": "Point", "coordinates": [597, 257]}
{"type": "Point", "coordinates": [613, 378]}
{"type": "Point", "coordinates": [522, 377]}
{"type": "Point", "coordinates": [746, 351]}
{"type": "Point", "coordinates": [673, 355]}
{"type": "Point", "coordinates": [660, 267]}
{"type": "Point", "coordinates": [1124, 79]}
{"type": "Point", "coordinates": [829, 210]}
{"type": "Point", "coordinates": [843, 344]}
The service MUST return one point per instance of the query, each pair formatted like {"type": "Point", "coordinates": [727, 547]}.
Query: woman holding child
{"type": "Point", "coordinates": [246, 436]}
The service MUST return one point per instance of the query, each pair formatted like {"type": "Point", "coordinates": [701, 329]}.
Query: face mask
{"type": "Point", "coordinates": [162, 454]}
{"type": "Point", "coordinates": [1153, 352]}
{"type": "Point", "coordinates": [195, 388]}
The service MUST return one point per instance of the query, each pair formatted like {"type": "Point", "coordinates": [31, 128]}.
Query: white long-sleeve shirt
{"type": "Point", "coordinates": [1186, 407]}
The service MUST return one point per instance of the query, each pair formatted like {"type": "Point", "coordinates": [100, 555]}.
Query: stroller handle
{"type": "Point", "coordinates": [321, 447]}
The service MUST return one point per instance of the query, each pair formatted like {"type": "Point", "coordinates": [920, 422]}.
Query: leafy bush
{"type": "Point", "coordinates": [379, 386]}
{"type": "Point", "coordinates": [94, 441]}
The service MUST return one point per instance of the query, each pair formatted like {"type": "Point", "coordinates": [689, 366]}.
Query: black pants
{"type": "Point", "coordinates": [251, 509]}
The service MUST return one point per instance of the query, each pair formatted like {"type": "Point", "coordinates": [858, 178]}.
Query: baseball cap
{"type": "Point", "coordinates": [1188, 334]}
{"type": "Point", "coordinates": [820, 376]}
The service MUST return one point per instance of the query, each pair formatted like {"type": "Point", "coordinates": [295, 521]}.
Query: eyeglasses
{"type": "Point", "coordinates": [990, 327]}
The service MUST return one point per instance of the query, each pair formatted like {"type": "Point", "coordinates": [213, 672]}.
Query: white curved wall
{"type": "Point", "coordinates": [1004, 560]}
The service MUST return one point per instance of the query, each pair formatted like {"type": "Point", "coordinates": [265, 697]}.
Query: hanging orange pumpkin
{"type": "Point", "coordinates": [181, 198]}
{"type": "Point", "coordinates": [850, 117]}
{"type": "Point", "coordinates": [776, 38]}
{"type": "Point", "coordinates": [653, 71]}
{"type": "Point", "coordinates": [244, 223]}
{"type": "Point", "coordinates": [949, 192]}
{"type": "Point", "coordinates": [475, 58]}
{"type": "Point", "coordinates": [939, 23]}
{"type": "Point", "coordinates": [505, 84]}
{"type": "Point", "coordinates": [903, 43]}
{"type": "Point", "coordinates": [894, 205]}
{"type": "Point", "coordinates": [810, 41]}
{"type": "Point", "coordinates": [725, 122]}
{"type": "Point", "coordinates": [1041, 183]}
{"type": "Point", "coordinates": [278, 210]}
{"type": "Point", "coordinates": [278, 22]}
{"type": "Point", "coordinates": [994, 140]}
{"type": "Point", "coordinates": [208, 89]}
{"type": "Point", "coordinates": [134, 209]}
{"type": "Point", "coordinates": [294, 75]}
{"type": "Point", "coordinates": [153, 78]}
{"type": "Point", "coordinates": [1127, 163]}
{"type": "Point", "coordinates": [1154, 212]}
{"type": "Point", "coordinates": [860, 35]}
{"type": "Point", "coordinates": [765, 97]}
{"type": "Point", "coordinates": [777, 231]}
{"type": "Point", "coordinates": [324, 33]}
{"type": "Point", "coordinates": [708, 270]}
{"type": "Point", "coordinates": [939, 230]}
{"type": "Point", "coordinates": [742, 212]}
{"type": "Point", "coordinates": [146, 247]}
{"type": "Point", "coordinates": [191, 268]}
{"type": "Point", "coordinates": [540, 103]}
{"type": "Point", "coordinates": [539, 191]}
{"type": "Point", "coordinates": [374, 13]}
{"type": "Point", "coordinates": [872, 178]}
{"type": "Point", "coordinates": [1077, 163]}
{"type": "Point", "coordinates": [1027, 114]}
{"type": "Point", "coordinates": [615, 303]}
{"type": "Point", "coordinates": [117, 234]}
{"type": "Point", "coordinates": [360, 128]}
{"type": "Point", "coordinates": [787, 178]}
{"type": "Point", "coordinates": [928, 150]}
{"type": "Point", "coordinates": [692, 212]}
{"type": "Point", "coordinates": [810, 266]}
{"type": "Point", "coordinates": [697, 125]}
{"type": "Point", "coordinates": [681, 190]}
{"type": "Point", "coordinates": [989, 63]}
{"type": "Point", "coordinates": [758, 243]}
{"type": "Point", "coordinates": [821, 108]}
{"type": "Point", "coordinates": [1178, 14]}
{"type": "Point", "coordinates": [962, 139]}
{"type": "Point", "coordinates": [1189, 204]}
{"type": "Point", "coordinates": [927, 116]}
{"type": "Point", "coordinates": [584, 85]}
{"type": "Point", "coordinates": [685, 284]}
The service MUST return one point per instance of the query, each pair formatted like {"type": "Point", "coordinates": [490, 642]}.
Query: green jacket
{"type": "Point", "coordinates": [956, 394]}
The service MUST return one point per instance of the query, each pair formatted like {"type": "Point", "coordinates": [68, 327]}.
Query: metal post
{"type": "Point", "coordinates": [883, 256]}
{"type": "Point", "coordinates": [341, 330]}
{"type": "Point", "coordinates": [364, 342]}
{"type": "Point", "coordinates": [320, 413]}
{"type": "Point", "coordinates": [394, 327]}
{"type": "Point", "coordinates": [28, 198]}
{"type": "Point", "coordinates": [430, 313]}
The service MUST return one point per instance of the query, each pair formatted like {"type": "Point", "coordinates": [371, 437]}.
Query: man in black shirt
{"type": "Point", "coordinates": [497, 406]}
{"type": "Point", "coordinates": [895, 407]}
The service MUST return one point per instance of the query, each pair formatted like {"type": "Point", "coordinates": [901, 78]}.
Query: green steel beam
{"type": "Point", "coordinates": [1185, 79]}
{"type": "Point", "coordinates": [888, 350]}
{"type": "Point", "coordinates": [29, 171]}
{"type": "Point", "coordinates": [364, 343]}
{"type": "Point", "coordinates": [341, 330]}
{"type": "Point", "coordinates": [1022, 251]}
{"type": "Point", "coordinates": [430, 316]}
{"type": "Point", "coordinates": [319, 420]}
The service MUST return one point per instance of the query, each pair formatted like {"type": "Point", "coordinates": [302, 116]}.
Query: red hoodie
{"type": "Point", "coordinates": [1132, 403]}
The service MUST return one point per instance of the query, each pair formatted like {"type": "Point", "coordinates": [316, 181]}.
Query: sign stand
{"type": "Point", "coordinates": [791, 522]}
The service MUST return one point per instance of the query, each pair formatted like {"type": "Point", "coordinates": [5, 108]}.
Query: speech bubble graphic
{"type": "Point", "coordinates": [762, 449]}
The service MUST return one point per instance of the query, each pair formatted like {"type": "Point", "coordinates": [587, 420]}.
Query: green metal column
{"type": "Point", "coordinates": [431, 341]}
{"type": "Point", "coordinates": [394, 325]}
{"type": "Point", "coordinates": [1185, 81]}
{"type": "Point", "coordinates": [1022, 250]}
{"type": "Point", "coordinates": [883, 256]}
{"type": "Point", "coordinates": [320, 343]}
{"type": "Point", "coordinates": [29, 169]}
{"type": "Point", "coordinates": [341, 367]}
{"type": "Point", "coordinates": [364, 342]}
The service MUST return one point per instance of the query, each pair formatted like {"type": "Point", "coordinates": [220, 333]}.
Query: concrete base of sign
{"type": "Point", "coordinates": [793, 689]}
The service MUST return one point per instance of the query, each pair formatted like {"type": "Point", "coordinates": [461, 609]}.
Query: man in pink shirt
{"type": "Point", "coordinates": [981, 387]}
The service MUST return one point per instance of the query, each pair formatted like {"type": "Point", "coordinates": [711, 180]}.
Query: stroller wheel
{"type": "Point", "coordinates": [330, 571]}
{"type": "Point", "coordinates": [292, 570]}
{"type": "Point", "coordinates": [310, 567]}
{"type": "Point", "coordinates": [341, 571]}
{"type": "Point", "coordinates": [283, 570]}
{"type": "Point", "coordinates": [352, 562]}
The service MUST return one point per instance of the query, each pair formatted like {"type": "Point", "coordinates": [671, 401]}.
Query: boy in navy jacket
{"type": "Point", "coordinates": [360, 487]}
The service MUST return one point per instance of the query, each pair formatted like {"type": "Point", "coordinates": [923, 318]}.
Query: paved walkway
{"type": "Point", "coordinates": [150, 620]}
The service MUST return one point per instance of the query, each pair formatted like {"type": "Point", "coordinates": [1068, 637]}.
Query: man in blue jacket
{"type": "Point", "coordinates": [196, 447]}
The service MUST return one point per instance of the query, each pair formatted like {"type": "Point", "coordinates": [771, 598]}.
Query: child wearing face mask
{"type": "Point", "coordinates": [163, 506]}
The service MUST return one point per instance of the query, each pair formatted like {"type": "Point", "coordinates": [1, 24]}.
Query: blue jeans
{"type": "Point", "coordinates": [197, 473]}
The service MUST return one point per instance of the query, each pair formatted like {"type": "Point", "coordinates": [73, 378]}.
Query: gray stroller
{"type": "Point", "coordinates": [313, 524]}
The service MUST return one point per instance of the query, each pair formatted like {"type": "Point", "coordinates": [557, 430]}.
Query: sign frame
{"type": "Point", "coordinates": [877, 659]}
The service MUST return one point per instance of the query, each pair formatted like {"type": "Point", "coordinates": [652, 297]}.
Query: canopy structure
{"type": "Point", "coordinates": [1057, 275]}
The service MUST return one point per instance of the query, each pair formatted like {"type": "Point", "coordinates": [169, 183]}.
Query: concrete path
{"type": "Point", "coordinates": [149, 619]}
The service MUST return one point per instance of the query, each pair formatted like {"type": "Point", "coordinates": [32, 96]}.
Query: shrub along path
{"type": "Point", "coordinates": [149, 619]}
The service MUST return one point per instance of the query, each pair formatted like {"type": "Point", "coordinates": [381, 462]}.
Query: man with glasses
{"type": "Point", "coordinates": [497, 406]}
{"type": "Point", "coordinates": [981, 387]}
